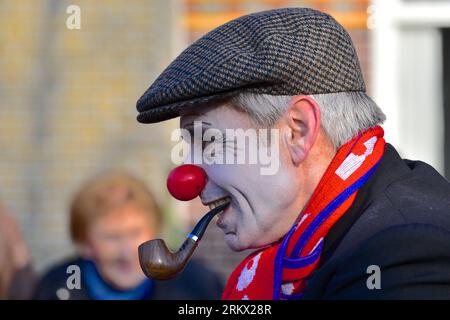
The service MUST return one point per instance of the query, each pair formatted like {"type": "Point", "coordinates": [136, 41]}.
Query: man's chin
{"type": "Point", "coordinates": [234, 243]}
{"type": "Point", "coordinates": [238, 244]}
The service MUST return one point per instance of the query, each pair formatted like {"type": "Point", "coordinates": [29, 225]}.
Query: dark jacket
{"type": "Point", "coordinates": [400, 222]}
{"type": "Point", "coordinates": [196, 282]}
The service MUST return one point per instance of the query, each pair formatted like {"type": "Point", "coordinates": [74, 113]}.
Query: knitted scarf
{"type": "Point", "coordinates": [281, 270]}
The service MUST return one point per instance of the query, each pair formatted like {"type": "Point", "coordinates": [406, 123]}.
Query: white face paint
{"type": "Point", "coordinates": [263, 207]}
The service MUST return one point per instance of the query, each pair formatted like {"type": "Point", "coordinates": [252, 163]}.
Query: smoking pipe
{"type": "Point", "coordinates": [159, 263]}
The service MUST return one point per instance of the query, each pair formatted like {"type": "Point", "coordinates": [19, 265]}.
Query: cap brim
{"type": "Point", "coordinates": [170, 111]}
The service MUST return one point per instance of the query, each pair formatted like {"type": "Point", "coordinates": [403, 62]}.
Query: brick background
{"type": "Point", "coordinates": [67, 104]}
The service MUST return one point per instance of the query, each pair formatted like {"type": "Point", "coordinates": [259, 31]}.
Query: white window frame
{"type": "Point", "coordinates": [387, 19]}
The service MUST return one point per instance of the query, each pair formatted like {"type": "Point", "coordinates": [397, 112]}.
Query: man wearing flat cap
{"type": "Point", "coordinates": [343, 216]}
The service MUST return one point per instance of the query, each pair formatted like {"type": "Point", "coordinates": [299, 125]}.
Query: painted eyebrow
{"type": "Point", "coordinates": [190, 128]}
{"type": "Point", "coordinates": [192, 123]}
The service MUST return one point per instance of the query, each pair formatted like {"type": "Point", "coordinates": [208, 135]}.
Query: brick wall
{"type": "Point", "coordinates": [67, 104]}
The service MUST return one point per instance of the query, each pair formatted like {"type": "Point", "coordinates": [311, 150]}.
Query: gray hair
{"type": "Point", "coordinates": [343, 114]}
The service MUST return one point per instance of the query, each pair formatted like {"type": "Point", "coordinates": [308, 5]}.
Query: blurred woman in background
{"type": "Point", "coordinates": [109, 218]}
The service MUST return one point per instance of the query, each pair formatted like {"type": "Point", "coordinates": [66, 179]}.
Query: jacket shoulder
{"type": "Point", "coordinates": [421, 197]}
{"type": "Point", "coordinates": [410, 261]}
{"type": "Point", "coordinates": [54, 279]}
{"type": "Point", "coordinates": [195, 282]}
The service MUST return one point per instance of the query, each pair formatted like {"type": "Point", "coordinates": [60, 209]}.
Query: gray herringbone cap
{"type": "Point", "coordinates": [280, 52]}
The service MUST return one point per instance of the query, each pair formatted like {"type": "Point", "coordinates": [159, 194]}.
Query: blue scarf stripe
{"type": "Point", "coordinates": [315, 224]}
{"type": "Point", "coordinates": [302, 262]}
{"type": "Point", "coordinates": [279, 264]}
{"type": "Point", "coordinates": [328, 210]}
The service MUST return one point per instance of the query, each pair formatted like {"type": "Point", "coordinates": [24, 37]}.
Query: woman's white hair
{"type": "Point", "coordinates": [343, 114]}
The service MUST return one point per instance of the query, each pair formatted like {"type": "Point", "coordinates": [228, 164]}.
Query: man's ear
{"type": "Point", "coordinates": [303, 121]}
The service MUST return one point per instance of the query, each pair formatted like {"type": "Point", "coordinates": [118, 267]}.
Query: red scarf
{"type": "Point", "coordinates": [280, 271]}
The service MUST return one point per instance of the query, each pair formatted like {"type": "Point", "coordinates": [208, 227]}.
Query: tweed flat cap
{"type": "Point", "coordinates": [280, 52]}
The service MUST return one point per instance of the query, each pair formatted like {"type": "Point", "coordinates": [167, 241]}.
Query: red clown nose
{"type": "Point", "coordinates": [186, 182]}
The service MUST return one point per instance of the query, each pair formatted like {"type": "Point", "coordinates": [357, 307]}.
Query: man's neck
{"type": "Point", "coordinates": [313, 168]}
